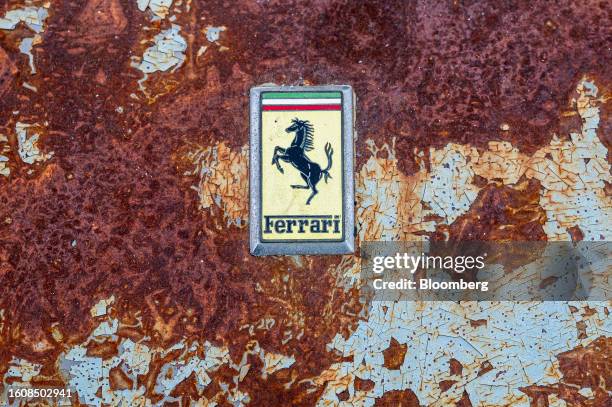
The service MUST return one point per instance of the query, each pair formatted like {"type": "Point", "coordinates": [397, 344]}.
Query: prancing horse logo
{"type": "Point", "coordinates": [310, 171]}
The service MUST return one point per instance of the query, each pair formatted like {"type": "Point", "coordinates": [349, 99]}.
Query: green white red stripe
{"type": "Point", "coordinates": [278, 101]}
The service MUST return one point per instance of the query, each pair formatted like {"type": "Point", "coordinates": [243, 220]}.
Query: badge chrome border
{"type": "Point", "coordinates": [345, 246]}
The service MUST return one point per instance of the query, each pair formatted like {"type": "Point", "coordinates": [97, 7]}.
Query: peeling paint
{"type": "Point", "coordinates": [28, 144]}
{"type": "Point", "coordinates": [5, 148]}
{"type": "Point", "coordinates": [274, 362]}
{"type": "Point", "coordinates": [223, 181]}
{"type": "Point", "coordinates": [214, 33]}
{"type": "Point", "coordinates": [436, 332]}
{"type": "Point", "coordinates": [26, 48]}
{"type": "Point", "coordinates": [33, 17]}
{"type": "Point", "coordinates": [161, 8]}
{"type": "Point", "coordinates": [93, 373]}
{"type": "Point", "coordinates": [168, 52]}
{"type": "Point", "coordinates": [572, 182]}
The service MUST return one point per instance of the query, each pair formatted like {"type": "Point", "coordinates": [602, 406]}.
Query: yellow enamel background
{"type": "Point", "coordinates": [278, 198]}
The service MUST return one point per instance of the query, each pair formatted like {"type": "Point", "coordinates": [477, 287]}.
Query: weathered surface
{"type": "Point", "coordinates": [124, 265]}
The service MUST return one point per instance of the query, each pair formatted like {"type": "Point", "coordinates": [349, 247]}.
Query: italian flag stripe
{"type": "Point", "coordinates": [301, 107]}
{"type": "Point", "coordinates": [301, 95]}
{"type": "Point", "coordinates": [301, 101]}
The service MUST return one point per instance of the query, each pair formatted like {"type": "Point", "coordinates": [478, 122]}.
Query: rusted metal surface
{"type": "Point", "coordinates": [124, 265]}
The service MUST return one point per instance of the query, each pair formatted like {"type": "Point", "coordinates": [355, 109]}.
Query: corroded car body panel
{"type": "Point", "coordinates": [125, 271]}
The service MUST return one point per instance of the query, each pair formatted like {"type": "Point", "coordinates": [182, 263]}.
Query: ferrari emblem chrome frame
{"type": "Point", "coordinates": [305, 205]}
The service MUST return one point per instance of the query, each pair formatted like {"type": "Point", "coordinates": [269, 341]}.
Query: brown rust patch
{"type": "Point", "coordinates": [547, 281]}
{"type": "Point", "coordinates": [503, 213]}
{"type": "Point", "coordinates": [363, 385]}
{"type": "Point", "coordinates": [398, 398]}
{"type": "Point", "coordinates": [582, 367]}
{"type": "Point", "coordinates": [394, 354]}
{"type": "Point", "coordinates": [575, 233]}
{"type": "Point", "coordinates": [456, 368]}
{"type": "Point", "coordinates": [7, 72]}
{"type": "Point", "coordinates": [588, 366]}
{"type": "Point", "coordinates": [446, 384]}
{"type": "Point", "coordinates": [464, 401]}
{"type": "Point", "coordinates": [581, 326]}
{"type": "Point", "coordinates": [100, 20]}
{"type": "Point", "coordinates": [485, 367]}
{"type": "Point", "coordinates": [104, 350]}
{"type": "Point", "coordinates": [119, 380]}
{"type": "Point", "coordinates": [475, 323]}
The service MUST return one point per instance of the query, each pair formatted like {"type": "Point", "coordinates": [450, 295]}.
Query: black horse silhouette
{"type": "Point", "coordinates": [310, 171]}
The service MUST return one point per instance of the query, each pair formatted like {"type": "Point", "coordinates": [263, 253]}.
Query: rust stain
{"type": "Point", "coordinates": [583, 367]}
{"type": "Point", "coordinates": [575, 233]}
{"type": "Point", "coordinates": [502, 213]}
{"type": "Point", "coordinates": [456, 368]}
{"type": "Point", "coordinates": [398, 398]}
{"type": "Point", "coordinates": [394, 354]}
{"type": "Point", "coordinates": [134, 188]}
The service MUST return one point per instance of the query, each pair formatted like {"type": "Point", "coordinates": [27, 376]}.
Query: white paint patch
{"type": "Point", "coordinates": [214, 33]}
{"type": "Point", "coordinates": [574, 180]}
{"type": "Point", "coordinates": [89, 376]}
{"type": "Point", "coordinates": [449, 190]}
{"type": "Point", "coordinates": [167, 52]}
{"type": "Point", "coordinates": [4, 170]}
{"type": "Point", "coordinates": [33, 17]}
{"type": "Point", "coordinates": [435, 332]}
{"type": "Point", "coordinates": [22, 369]}
{"type": "Point", "coordinates": [28, 148]}
{"type": "Point", "coordinates": [99, 309]}
{"type": "Point", "coordinates": [4, 148]}
{"type": "Point", "coordinates": [161, 8]}
{"type": "Point", "coordinates": [30, 87]}
{"type": "Point", "coordinates": [25, 46]}
{"type": "Point", "coordinates": [274, 362]}
{"type": "Point", "coordinates": [394, 206]}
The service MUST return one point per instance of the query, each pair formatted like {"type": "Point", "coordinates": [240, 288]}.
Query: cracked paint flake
{"type": "Point", "coordinates": [572, 172]}
{"type": "Point", "coordinates": [441, 331]}
{"type": "Point", "coordinates": [387, 204]}
{"type": "Point", "coordinates": [223, 181]}
{"type": "Point", "coordinates": [167, 52]}
{"type": "Point", "coordinates": [161, 8]}
{"type": "Point", "coordinates": [5, 148]}
{"type": "Point", "coordinates": [4, 170]}
{"type": "Point", "coordinates": [99, 309]}
{"type": "Point", "coordinates": [28, 144]}
{"type": "Point", "coordinates": [274, 362]}
{"type": "Point", "coordinates": [214, 33]}
{"type": "Point", "coordinates": [19, 373]}
{"type": "Point", "coordinates": [33, 17]}
{"type": "Point", "coordinates": [25, 46]}
{"type": "Point", "coordinates": [91, 376]}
